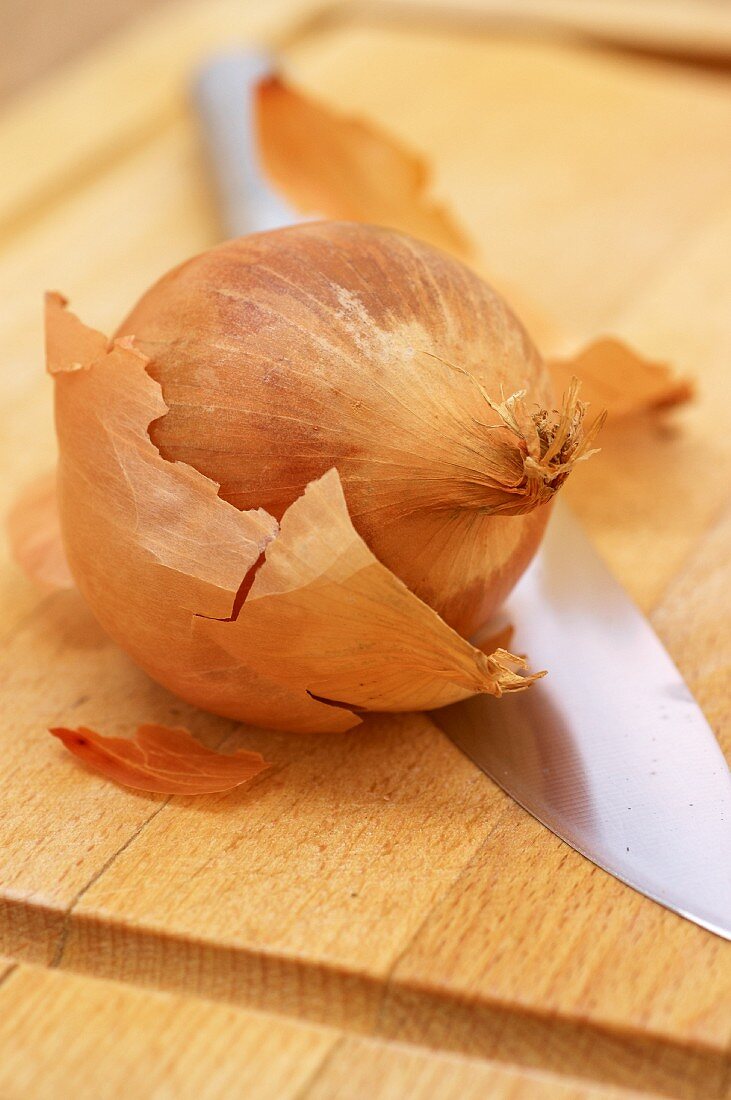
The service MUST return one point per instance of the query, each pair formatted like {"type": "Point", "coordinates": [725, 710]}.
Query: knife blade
{"type": "Point", "coordinates": [610, 751]}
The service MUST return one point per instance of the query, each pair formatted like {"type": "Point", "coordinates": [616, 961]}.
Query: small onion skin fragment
{"type": "Point", "coordinates": [615, 378]}
{"type": "Point", "coordinates": [282, 495]}
{"type": "Point", "coordinates": [161, 760]}
{"type": "Point", "coordinates": [346, 169]}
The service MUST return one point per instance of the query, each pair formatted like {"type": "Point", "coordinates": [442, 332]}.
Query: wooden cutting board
{"type": "Point", "coordinates": [375, 889]}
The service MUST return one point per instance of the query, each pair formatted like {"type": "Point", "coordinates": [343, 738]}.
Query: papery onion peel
{"type": "Point", "coordinates": [161, 760]}
{"type": "Point", "coordinates": [615, 378]}
{"type": "Point", "coordinates": [345, 168]}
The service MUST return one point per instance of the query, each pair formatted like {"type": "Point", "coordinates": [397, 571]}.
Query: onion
{"type": "Point", "coordinates": [295, 483]}
{"type": "Point", "coordinates": [283, 354]}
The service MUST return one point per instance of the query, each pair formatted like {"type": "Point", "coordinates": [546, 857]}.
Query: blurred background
{"type": "Point", "coordinates": [38, 37]}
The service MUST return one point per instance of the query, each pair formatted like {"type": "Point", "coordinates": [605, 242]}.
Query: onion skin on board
{"type": "Point", "coordinates": [297, 470]}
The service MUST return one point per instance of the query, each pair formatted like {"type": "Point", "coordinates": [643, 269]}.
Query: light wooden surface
{"type": "Point", "coordinates": [110, 1040]}
{"type": "Point", "coordinates": [38, 37]}
{"type": "Point", "coordinates": [374, 882]}
{"type": "Point", "coordinates": [700, 28]}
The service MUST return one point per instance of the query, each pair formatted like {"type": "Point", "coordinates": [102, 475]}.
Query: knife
{"type": "Point", "coordinates": [610, 751]}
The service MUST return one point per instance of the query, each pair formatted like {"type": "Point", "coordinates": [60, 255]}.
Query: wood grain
{"type": "Point", "coordinates": [688, 620]}
{"type": "Point", "coordinates": [376, 881]}
{"type": "Point", "coordinates": [358, 1069]}
{"type": "Point", "coordinates": [609, 996]}
{"type": "Point", "coordinates": [6, 965]}
{"type": "Point", "coordinates": [63, 1034]}
{"type": "Point", "coordinates": [701, 28]}
{"type": "Point", "coordinates": [655, 492]}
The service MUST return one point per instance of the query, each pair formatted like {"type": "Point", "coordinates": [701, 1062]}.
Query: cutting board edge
{"type": "Point", "coordinates": [424, 1016]}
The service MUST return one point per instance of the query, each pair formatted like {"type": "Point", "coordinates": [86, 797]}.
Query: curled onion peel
{"type": "Point", "coordinates": [161, 760]}
{"type": "Point", "coordinates": [615, 378]}
{"type": "Point", "coordinates": [344, 168]}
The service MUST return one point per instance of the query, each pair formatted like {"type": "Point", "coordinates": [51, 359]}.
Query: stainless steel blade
{"type": "Point", "coordinates": [610, 750]}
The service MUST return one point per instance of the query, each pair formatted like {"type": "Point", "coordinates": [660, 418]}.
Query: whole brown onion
{"type": "Point", "coordinates": [335, 344]}
{"type": "Point", "coordinates": [301, 450]}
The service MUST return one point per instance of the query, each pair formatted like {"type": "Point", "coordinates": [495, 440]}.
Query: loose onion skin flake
{"type": "Point", "coordinates": [161, 760]}
{"type": "Point", "coordinates": [615, 378]}
{"type": "Point", "coordinates": [295, 482]}
{"type": "Point", "coordinates": [343, 168]}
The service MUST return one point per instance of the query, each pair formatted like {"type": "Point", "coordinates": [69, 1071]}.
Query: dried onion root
{"type": "Point", "coordinates": [273, 466]}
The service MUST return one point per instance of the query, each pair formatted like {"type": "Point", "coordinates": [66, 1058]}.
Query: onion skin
{"type": "Point", "coordinates": [284, 354]}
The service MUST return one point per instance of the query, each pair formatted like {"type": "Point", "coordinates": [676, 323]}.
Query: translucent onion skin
{"type": "Point", "coordinates": [284, 354]}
